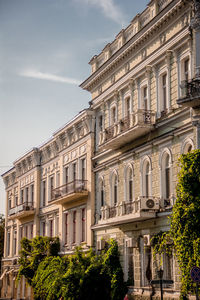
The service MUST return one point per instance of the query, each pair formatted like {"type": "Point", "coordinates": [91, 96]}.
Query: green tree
{"type": "Point", "coordinates": [33, 252]}
{"type": "Point", "coordinates": [185, 221]}
{"type": "Point", "coordinates": [83, 275]}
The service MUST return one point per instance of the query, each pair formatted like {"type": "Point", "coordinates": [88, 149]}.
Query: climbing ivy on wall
{"type": "Point", "coordinates": [185, 221]}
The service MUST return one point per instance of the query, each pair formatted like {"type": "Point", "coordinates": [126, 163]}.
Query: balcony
{"type": "Point", "coordinates": [141, 209]}
{"type": "Point", "coordinates": [21, 211]}
{"type": "Point", "coordinates": [71, 191]}
{"type": "Point", "coordinates": [190, 91]}
{"type": "Point", "coordinates": [127, 129]}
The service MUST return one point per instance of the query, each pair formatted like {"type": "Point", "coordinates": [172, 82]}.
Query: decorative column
{"type": "Point", "coordinates": [155, 72]}
{"type": "Point", "coordinates": [148, 75]}
{"type": "Point", "coordinates": [131, 85]}
{"type": "Point", "coordinates": [61, 226]}
{"type": "Point", "coordinates": [196, 124]}
{"type": "Point", "coordinates": [168, 62]}
{"type": "Point", "coordinates": [137, 83]}
{"type": "Point", "coordinates": [177, 62]}
{"type": "Point", "coordinates": [78, 226]}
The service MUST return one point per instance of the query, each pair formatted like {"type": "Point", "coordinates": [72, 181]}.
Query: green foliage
{"type": "Point", "coordinates": [113, 267]}
{"type": "Point", "coordinates": [32, 254]}
{"type": "Point", "coordinates": [185, 220]}
{"type": "Point", "coordinates": [83, 275]}
{"type": "Point", "coordinates": [47, 280]}
{"type": "Point", "coordinates": [162, 243]}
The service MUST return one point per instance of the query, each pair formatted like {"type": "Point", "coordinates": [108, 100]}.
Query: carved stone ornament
{"type": "Point", "coordinates": [162, 38]}
{"type": "Point", "coordinates": [195, 23]}
{"type": "Point", "coordinates": [144, 53]}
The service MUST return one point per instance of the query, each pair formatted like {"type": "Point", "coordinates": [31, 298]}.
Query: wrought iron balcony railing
{"type": "Point", "coordinates": [190, 93]}
{"type": "Point", "coordinates": [76, 186]}
{"type": "Point", "coordinates": [24, 207]}
{"type": "Point", "coordinates": [139, 209]}
{"type": "Point", "coordinates": [130, 127]}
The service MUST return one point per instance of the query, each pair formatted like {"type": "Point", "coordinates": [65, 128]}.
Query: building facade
{"type": "Point", "coordinates": [112, 171]}
{"type": "Point", "coordinates": [49, 193]}
{"type": "Point", "coordinates": [141, 85]}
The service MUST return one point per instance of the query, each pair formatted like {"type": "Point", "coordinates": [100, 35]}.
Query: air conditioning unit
{"type": "Point", "coordinates": [149, 204]}
{"type": "Point", "coordinates": [147, 240]}
{"type": "Point", "coordinates": [100, 244]}
{"type": "Point", "coordinates": [132, 243]}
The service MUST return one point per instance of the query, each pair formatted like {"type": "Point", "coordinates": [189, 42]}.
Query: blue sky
{"type": "Point", "coordinates": [45, 47]}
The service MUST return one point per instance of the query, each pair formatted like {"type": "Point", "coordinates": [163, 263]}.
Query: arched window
{"type": "Point", "coordinates": [114, 188]}
{"type": "Point", "coordinates": [166, 176]}
{"type": "Point", "coordinates": [129, 184]}
{"type": "Point", "coordinates": [187, 146]}
{"type": "Point", "coordinates": [146, 177]}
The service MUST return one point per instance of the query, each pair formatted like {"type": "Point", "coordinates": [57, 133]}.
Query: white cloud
{"type": "Point", "coordinates": [109, 8]}
{"type": "Point", "coordinates": [48, 76]}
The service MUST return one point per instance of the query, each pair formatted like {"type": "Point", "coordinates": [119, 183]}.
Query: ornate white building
{"type": "Point", "coordinates": [49, 193]}
{"type": "Point", "coordinates": [142, 84]}
{"type": "Point", "coordinates": [112, 171]}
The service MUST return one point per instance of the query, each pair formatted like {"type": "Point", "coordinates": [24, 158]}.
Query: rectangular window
{"type": "Point", "coordinates": [127, 107]}
{"type": "Point", "coordinates": [51, 186]}
{"type": "Point", "coordinates": [22, 196]}
{"type": "Point", "coordinates": [74, 172]}
{"type": "Point", "coordinates": [44, 192]}
{"type": "Point", "coordinates": [43, 228]}
{"type": "Point", "coordinates": [57, 226]}
{"type": "Point", "coordinates": [74, 227]}
{"type": "Point", "coordinates": [186, 69]}
{"type": "Point", "coordinates": [83, 225]}
{"type": "Point", "coordinates": [66, 175]}
{"type": "Point", "coordinates": [100, 123]}
{"type": "Point", "coordinates": [26, 231]}
{"type": "Point", "coordinates": [113, 116]}
{"type": "Point", "coordinates": [32, 194]}
{"type": "Point", "coordinates": [15, 242]}
{"type": "Point", "coordinates": [145, 98]}
{"type": "Point", "coordinates": [27, 195]}
{"type": "Point", "coordinates": [66, 229]}
{"type": "Point", "coordinates": [16, 200]}
{"type": "Point", "coordinates": [21, 232]}
{"type": "Point", "coordinates": [51, 228]}
{"type": "Point", "coordinates": [8, 243]}
{"type": "Point", "coordinates": [164, 91]}
{"type": "Point", "coordinates": [83, 169]}
{"type": "Point", "coordinates": [57, 179]}
{"type": "Point", "coordinates": [9, 203]}
{"type": "Point", "coordinates": [31, 231]}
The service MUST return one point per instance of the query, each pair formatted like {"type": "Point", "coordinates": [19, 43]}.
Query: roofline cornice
{"type": "Point", "coordinates": [135, 40]}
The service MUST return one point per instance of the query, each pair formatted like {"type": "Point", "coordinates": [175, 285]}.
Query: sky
{"type": "Point", "coordinates": [45, 47]}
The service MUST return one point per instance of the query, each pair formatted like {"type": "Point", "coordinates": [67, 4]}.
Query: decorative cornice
{"type": "Point", "coordinates": [134, 42]}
